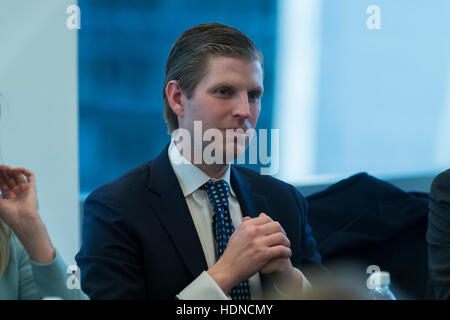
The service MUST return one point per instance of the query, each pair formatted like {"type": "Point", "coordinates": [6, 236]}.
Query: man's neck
{"type": "Point", "coordinates": [212, 170]}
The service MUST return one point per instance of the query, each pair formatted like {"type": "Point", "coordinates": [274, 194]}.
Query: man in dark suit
{"type": "Point", "coordinates": [438, 235]}
{"type": "Point", "coordinates": [187, 228]}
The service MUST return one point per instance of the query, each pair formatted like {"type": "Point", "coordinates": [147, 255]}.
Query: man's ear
{"type": "Point", "coordinates": [174, 96]}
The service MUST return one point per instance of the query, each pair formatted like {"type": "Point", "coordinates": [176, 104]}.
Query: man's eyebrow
{"type": "Point", "coordinates": [221, 84]}
{"type": "Point", "coordinates": [258, 89]}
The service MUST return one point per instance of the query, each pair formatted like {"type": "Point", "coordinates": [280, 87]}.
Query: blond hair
{"type": "Point", "coordinates": [5, 236]}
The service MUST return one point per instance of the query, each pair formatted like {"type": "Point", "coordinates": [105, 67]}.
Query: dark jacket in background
{"type": "Point", "coordinates": [438, 236]}
{"type": "Point", "coordinates": [371, 222]}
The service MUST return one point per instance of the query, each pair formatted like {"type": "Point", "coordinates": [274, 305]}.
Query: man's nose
{"type": "Point", "coordinates": [242, 108]}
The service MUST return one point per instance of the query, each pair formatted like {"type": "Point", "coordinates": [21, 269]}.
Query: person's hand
{"type": "Point", "coordinates": [19, 210]}
{"type": "Point", "coordinates": [18, 202]}
{"type": "Point", "coordinates": [283, 274]}
{"type": "Point", "coordinates": [280, 265]}
{"type": "Point", "coordinates": [252, 246]}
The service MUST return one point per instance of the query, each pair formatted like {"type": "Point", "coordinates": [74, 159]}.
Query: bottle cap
{"type": "Point", "coordinates": [380, 279]}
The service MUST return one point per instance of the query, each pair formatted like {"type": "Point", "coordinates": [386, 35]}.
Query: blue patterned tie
{"type": "Point", "coordinates": [218, 194]}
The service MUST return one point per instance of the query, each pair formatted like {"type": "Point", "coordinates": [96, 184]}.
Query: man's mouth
{"type": "Point", "coordinates": [235, 129]}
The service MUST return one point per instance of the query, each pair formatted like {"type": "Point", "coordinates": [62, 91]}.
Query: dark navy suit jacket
{"type": "Point", "coordinates": [139, 240]}
{"type": "Point", "coordinates": [363, 221]}
{"type": "Point", "coordinates": [438, 235]}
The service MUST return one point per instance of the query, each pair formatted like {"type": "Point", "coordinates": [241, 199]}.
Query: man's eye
{"type": "Point", "coordinates": [253, 96]}
{"type": "Point", "coordinates": [224, 91]}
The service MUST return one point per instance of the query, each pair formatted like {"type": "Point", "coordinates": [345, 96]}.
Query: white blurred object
{"type": "Point", "coordinates": [379, 283]}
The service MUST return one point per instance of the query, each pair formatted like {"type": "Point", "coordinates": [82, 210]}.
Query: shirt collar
{"type": "Point", "coordinates": [189, 176]}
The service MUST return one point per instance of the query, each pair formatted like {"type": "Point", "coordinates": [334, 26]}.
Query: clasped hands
{"type": "Point", "coordinates": [257, 245]}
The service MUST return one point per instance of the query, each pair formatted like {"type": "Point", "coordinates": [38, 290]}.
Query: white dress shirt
{"type": "Point", "coordinates": [191, 179]}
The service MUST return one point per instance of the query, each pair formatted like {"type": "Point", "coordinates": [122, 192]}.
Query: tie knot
{"type": "Point", "coordinates": [218, 192]}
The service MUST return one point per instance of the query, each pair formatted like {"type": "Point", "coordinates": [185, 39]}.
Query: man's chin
{"type": "Point", "coordinates": [234, 151]}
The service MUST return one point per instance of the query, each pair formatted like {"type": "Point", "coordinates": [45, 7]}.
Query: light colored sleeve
{"type": "Point", "coordinates": [27, 286]}
{"type": "Point", "coordinates": [203, 288]}
{"type": "Point", "coordinates": [53, 281]}
{"type": "Point", "coordinates": [37, 281]}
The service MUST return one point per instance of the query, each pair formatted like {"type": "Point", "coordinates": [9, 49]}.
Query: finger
{"type": "Point", "coordinates": [16, 176]}
{"type": "Point", "coordinates": [18, 190]}
{"type": "Point", "coordinates": [3, 185]}
{"type": "Point", "coordinates": [260, 220]}
{"type": "Point", "coordinates": [11, 194]}
{"type": "Point", "coordinates": [246, 219]}
{"type": "Point", "coordinates": [4, 167]}
{"type": "Point", "coordinates": [27, 173]}
{"type": "Point", "coordinates": [279, 252]}
{"type": "Point", "coordinates": [11, 179]}
{"type": "Point", "coordinates": [262, 214]}
{"type": "Point", "coordinates": [277, 239]}
{"type": "Point", "coordinates": [272, 227]}
{"type": "Point", "coordinates": [6, 181]}
{"type": "Point", "coordinates": [4, 195]}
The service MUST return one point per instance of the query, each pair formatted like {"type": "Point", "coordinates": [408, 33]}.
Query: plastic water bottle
{"type": "Point", "coordinates": [379, 283]}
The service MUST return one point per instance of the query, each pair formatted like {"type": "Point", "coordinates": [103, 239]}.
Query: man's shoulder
{"type": "Point", "coordinates": [130, 182]}
{"type": "Point", "coordinates": [264, 181]}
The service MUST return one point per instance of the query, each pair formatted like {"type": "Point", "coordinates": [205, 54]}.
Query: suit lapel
{"type": "Point", "coordinates": [171, 208]}
{"type": "Point", "coordinates": [251, 202]}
